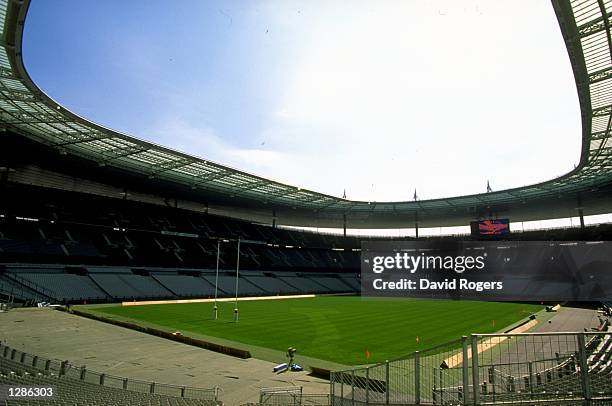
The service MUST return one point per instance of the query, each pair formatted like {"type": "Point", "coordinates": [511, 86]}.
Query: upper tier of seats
{"type": "Point", "coordinates": [48, 226]}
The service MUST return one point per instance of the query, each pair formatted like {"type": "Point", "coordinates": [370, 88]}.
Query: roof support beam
{"type": "Point", "coordinates": [169, 165]}
{"type": "Point", "coordinates": [600, 75]}
{"type": "Point", "coordinates": [16, 95]}
{"type": "Point", "coordinates": [602, 111]}
{"type": "Point", "coordinates": [99, 137]}
{"type": "Point", "coordinates": [286, 192]}
{"type": "Point", "coordinates": [122, 153]}
{"type": "Point", "coordinates": [593, 27]}
{"type": "Point", "coordinates": [600, 135]}
{"type": "Point", "coordinates": [250, 185]}
{"type": "Point", "coordinates": [208, 178]}
{"type": "Point", "coordinates": [7, 73]}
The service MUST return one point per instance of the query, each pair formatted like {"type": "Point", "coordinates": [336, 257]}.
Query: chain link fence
{"type": "Point", "coordinates": [488, 369]}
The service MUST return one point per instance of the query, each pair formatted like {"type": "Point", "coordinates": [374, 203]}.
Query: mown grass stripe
{"type": "Point", "coordinates": [337, 329]}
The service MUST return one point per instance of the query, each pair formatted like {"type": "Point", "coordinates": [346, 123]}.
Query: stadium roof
{"type": "Point", "coordinates": [585, 24]}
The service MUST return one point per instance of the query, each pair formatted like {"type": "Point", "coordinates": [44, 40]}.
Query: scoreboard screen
{"type": "Point", "coordinates": [490, 227]}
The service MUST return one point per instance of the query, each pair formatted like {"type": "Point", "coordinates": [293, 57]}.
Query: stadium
{"type": "Point", "coordinates": [135, 274]}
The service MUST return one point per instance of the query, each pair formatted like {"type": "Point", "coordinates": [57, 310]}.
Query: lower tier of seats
{"type": "Point", "coordinates": [97, 284]}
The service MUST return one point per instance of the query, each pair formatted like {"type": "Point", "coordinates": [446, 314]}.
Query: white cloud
{"type": "Point", "coordinates": [259, 159]}
{"type": "Point", "coordinates": [178, 133]}
{"type": "Point", "coordinates": [389, 96]}
{"type": "Point", "coordinates": [194, 139]}
{"type": "Point", "coordinates": [384, 97]}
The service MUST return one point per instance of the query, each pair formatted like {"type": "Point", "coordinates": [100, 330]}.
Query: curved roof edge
{"type": "Point", "coordinates": [585, 25]}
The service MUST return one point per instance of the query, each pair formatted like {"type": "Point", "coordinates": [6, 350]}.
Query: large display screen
{"type": "Point", "coordinates": [491, 227]}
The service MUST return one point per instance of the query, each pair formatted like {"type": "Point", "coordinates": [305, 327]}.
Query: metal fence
{"type": "Point", "coordinates": [487, 369]}
{"type": "Point", "coordinates": [291, 396]}
{"type": "Point", "coordinates": [66, 370]}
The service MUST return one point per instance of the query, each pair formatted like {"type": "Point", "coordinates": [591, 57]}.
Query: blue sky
{"type": "Point", "coordinates": [377, 98]}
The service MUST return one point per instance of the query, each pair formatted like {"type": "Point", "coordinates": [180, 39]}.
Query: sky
{"type": "Point", "coordinates": [373, 98]}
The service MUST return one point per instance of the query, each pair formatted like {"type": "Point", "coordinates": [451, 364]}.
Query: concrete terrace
{"type": "Point", "coordinates": [122, 352]}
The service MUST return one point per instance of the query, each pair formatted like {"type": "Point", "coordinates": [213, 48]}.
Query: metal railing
{"type": "Point", "coordinates": [15, 291]}
{"type": "Point", "coordinates": [38, 292]}
{"type": "Point", "coordinates": [6, 301]}
{"type": "Point", "coordinates": [291, 396]}
{"type": "Point", "coordinates": [487, 369]}
{"type": "Point", "coordinates": [63, 369]}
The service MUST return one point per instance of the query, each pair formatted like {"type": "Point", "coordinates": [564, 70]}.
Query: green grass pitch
{"type": "Point", "coordinates": [337, 328]}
